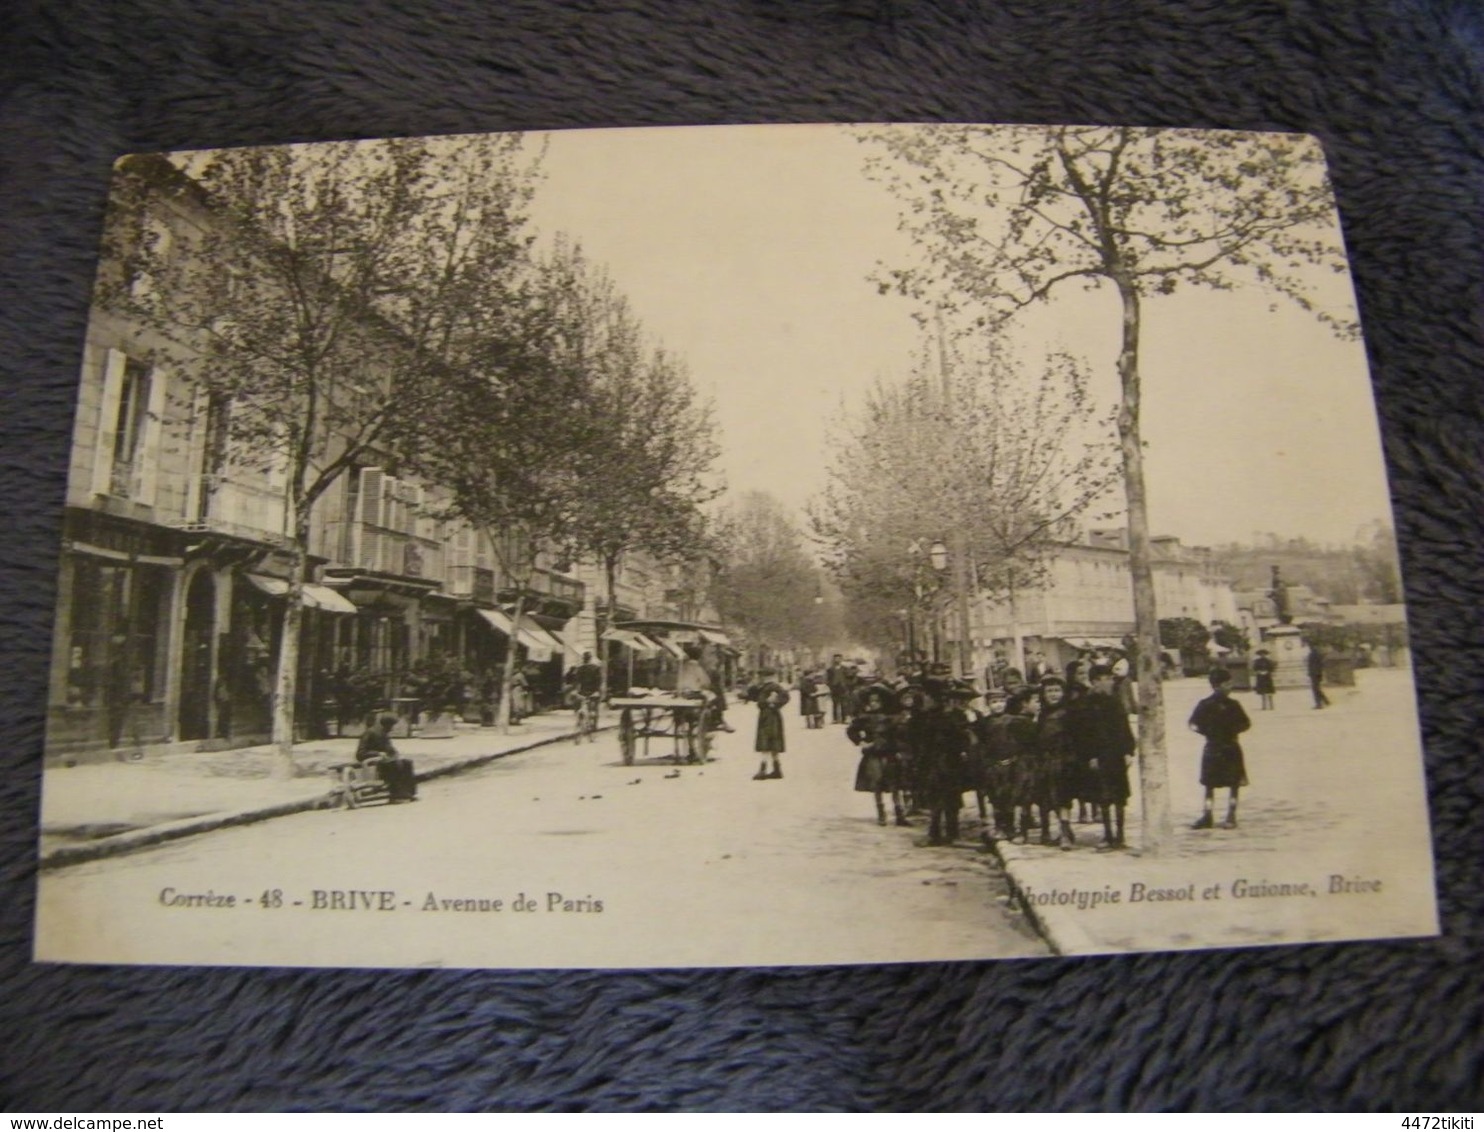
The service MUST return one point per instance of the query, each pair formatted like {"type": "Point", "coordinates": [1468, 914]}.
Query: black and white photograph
{"type": "Point", "coordinates": [727, 546]}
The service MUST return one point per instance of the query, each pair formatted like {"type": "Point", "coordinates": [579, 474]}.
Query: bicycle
{"type": "Point", "coordinates": [587, 717]}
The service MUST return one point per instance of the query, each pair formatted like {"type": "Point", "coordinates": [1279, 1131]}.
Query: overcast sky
{"type": "Point", "coordinates": [747, 250]}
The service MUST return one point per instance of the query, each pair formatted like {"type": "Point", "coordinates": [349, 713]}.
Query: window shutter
{"type": "Point", "coordinates": [148, 457]}
{"type": "Point", "coordinates": [363, 540]}
{"type": "Point", "coordinates": [108, 415]}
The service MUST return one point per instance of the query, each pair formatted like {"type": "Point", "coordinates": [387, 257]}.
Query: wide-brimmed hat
{"type": "Point", "coordinates": [875, 698]}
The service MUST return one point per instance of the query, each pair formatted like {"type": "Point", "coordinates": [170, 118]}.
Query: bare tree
{"type": "Point", "coordinates": [1005, 217]}
{"type": "Point", "coordinates": [646, 470]}
{"type": "Point", "coordinates": [768, 584]}
{"type": "Point", "coordinates": [510, 444]}
{"type": "Point", "coordinates": [975, 452]}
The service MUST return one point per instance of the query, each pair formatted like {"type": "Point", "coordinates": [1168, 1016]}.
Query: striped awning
{"type": "Point", "coordinates": [314, 596]}
{"type": "Point", "coordinates": [630, 639]}
{"type": "Point", "coordinates": [669, 646]}
{"type": "Point", "coordinates": [715, 638]}
{"type": "Point", "coordinates": [539, 643]}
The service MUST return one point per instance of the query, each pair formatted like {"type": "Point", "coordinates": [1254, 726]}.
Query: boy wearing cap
{"type": "Point", "coordinates": [1220, 719]}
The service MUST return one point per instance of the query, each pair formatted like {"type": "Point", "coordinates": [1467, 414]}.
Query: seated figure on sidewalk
{"type": "Point", "coordinates": [376, 747]}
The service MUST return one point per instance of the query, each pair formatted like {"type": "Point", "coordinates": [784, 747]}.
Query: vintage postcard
{"type": "Point", "coordinates": [727, 546]}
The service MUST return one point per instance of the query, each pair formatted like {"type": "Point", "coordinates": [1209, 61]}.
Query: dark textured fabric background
{"type": "Point", "coordinates": [1396, 92]}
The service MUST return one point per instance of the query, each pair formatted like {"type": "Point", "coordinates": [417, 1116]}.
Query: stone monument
{"type": "Point", "coordinates": [1284, 641]}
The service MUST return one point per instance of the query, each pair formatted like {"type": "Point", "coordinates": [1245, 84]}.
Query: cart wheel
{"type": "Point", "coordinates": [626, 738]}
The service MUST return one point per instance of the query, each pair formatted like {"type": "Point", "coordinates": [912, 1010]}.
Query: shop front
{"type": "Point", "coordinates": [110, 685]}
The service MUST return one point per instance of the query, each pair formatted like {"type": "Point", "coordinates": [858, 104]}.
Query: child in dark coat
{"type": "Point", "coordinates": [1220, 719]}
{"type": "Point", "coordinates": [770, 697]}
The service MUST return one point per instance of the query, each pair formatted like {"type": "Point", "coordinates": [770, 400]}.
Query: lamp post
{"type": "Point", "coordinates": [915, 554]}
{"type": "Point", "coordinates": [941, 558]}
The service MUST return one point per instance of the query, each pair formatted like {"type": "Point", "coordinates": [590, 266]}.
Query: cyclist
{"type": "Point", "coordinates": [586, 683]}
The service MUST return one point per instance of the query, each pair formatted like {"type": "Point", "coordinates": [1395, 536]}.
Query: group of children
{"type": "Point", "coordinates": [1040, 752]}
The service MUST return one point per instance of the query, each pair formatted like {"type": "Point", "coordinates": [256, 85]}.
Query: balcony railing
{"type": "Point", "coordinates": [384, 551]}
{"type": "Point", "coordinates": [221, 505]}
{"type": "Point", "coordinates": [475, 582]}
{"type": "Point", "coordinates": [558, 586]}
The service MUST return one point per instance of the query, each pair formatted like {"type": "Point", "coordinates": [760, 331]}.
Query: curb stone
{"type": "Point", "coordinates": [1065, 938]}
{"type": "Point", "coordinates": [121, 843]}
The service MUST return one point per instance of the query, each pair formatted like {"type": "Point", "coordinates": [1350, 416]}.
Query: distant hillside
{"type": "Point", "coordinates": [1346, 575]}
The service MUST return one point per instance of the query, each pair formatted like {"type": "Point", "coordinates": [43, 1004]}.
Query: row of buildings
{"type": "Point", "coordinates": [1085, 601]}
{"type": "Point", "coordinates": [173, 573]}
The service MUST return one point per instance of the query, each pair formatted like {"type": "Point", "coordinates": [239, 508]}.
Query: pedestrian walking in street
{"type": "Point", "coordinates": [771, 697]}
{"type": "Point", "coordinates": [520, 694]}
{"type": "Point", "coordinates": [1316, 676]}
{"type": "Point", "coordinates": [1099, 732]}
{"type": "Point", "coordinates": [1262, 679]}
{"type": "Point", "coordinates": [812, 693]}
{"type": "Point", "coordinates": [1220, 719]}
{"type": "Point", "coordinates": [375, 746]}
{"type": "Point", "coordinates": [834, 677]}
{"type": "Point", "coordinates": [873, 730]}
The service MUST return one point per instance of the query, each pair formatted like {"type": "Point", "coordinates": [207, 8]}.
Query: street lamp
{"type": "Point", "coordinates": [940, 558]}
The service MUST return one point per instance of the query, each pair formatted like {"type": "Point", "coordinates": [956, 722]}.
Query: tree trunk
{"type": "Point", "coordinates": [1017, 639]}
{"type": "Point", "coordinates": [507, 681]}
{"type": "Point", "coordinates": [287, 682]}
{"type": "Point", "coordinates": [610, 568]}
{"type": "Point", "coordinates": [1154, 771]}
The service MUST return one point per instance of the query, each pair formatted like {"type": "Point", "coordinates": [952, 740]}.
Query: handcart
{"type": "Point", "coordinates": [683, 720]}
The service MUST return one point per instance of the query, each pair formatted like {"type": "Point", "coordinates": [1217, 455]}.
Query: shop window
{"type": "Point", "coordinates": [116, 627]}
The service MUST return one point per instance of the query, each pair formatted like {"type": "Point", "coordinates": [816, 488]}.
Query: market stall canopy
{"type": "Point", "coordinates": [539, 643]}
{"type": "Point", "coordinates": [669, 646]}
{"type": "Point", "coordinates": [715, 638]}
{"type": "Point", "coordinates": [630, 639]}
{"type": "Point", "coordinates": [314, 595]}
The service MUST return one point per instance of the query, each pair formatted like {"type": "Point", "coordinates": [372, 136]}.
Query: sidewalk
{"type": "Point", "coordinates": [1334, 793]}
{"type": "Point", "coordinates": [101, 809]}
